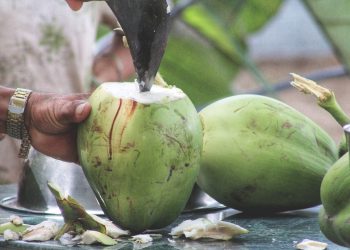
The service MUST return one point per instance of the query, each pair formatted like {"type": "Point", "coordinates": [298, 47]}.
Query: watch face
{"type": "Point", "coordinates": [15, 108]}
{"type": "Point", "coordinates": [18, 101]}
{"type": "Point", "coordinates": [14, 123]}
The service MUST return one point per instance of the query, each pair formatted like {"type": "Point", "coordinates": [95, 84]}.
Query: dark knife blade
{"type": "Point", "coordinates": [146, 26]}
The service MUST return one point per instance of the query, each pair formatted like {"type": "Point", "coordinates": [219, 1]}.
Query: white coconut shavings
{"type": "Point", "coordinates": [311, 245]}
{"type": "Point", "coordinates": [204, 228]}
{"type": "Point", "coordinates": [44, 231]}
{"type": "Point", "coordinates": [16, 220]}
{"type": "Point", "coordinates": [68, 239]}
{"type": "Point", "coordinates": [114, 231]}
{"type": "Point", "coordinates": [11, 235]}
{"type": "Point", "coordinates": [131, 91]}
{"type": "Point", "coordinates": [142, 238]}
{"type": "Point", "coordinates": [111, 229]}
{"type": "Point", "coordinates": [90, 237]}
{"type": "Point", "coordinates": [171, 241]}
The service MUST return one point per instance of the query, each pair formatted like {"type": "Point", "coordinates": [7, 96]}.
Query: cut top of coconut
{"type": "Point", "coordinates": [130, 90]}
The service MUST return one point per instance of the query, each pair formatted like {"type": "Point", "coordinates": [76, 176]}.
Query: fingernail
{"type": "Point", "coordinates": [80, 109]}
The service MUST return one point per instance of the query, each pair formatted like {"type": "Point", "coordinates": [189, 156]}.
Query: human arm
{"type": "Point", "coordinates": [113, 62]}
{"type": "Point", "coordinates": [75, 4]}
{"type": "Point", "coordinates": [51, 121]}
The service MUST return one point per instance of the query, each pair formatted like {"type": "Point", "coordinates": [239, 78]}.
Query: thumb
{"type": "Point", "coordinates": [72, 112]}
{"type": "Point", "coordinates": [82, 111]}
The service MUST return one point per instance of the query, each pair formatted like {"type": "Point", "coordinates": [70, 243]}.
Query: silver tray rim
{"type": "Point", "coordinates": [10, 203]}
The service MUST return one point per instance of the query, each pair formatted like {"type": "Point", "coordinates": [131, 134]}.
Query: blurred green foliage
{"type": "Point", "coordinates": [334, 20]}
{"type": "Point", "coordinates": [207, 45]}
{"type": "Point", "coordinates": [197, 69]}
{"type": "Point", "coordinates": [102, 30]}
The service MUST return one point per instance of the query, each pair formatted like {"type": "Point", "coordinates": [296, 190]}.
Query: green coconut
{"type": "Point", "coordinates": [261, 155]}
{"type": "Point", "coordinates": [334, 216]}
{"type": "Point", "coordinates": [140, 152]}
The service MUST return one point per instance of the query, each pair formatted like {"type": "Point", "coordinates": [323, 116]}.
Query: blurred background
{"type": "Point", "coordinates": [300, 39]}
{"type": "Point", "coordinates": [228, 47]}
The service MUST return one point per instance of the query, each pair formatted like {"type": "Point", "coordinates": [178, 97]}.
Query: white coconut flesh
{"type": "Point", "coordinates": [130, 90]}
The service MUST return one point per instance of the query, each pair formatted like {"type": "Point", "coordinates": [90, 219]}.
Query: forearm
{"type": "Point", "coordinates": [5, 95]}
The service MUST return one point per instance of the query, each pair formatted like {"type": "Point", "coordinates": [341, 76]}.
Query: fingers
{"type": "Point", "coordinates": [74, 4]}
{"type": "Point", "coordinates": [55, 114]}
{"type": "Point", "coordinates": [76, 97]}
{"type": "Point", "coordinates": [61, 147]}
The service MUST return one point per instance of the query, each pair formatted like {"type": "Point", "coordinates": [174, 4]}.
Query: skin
{"type": "Point", "coordinates": [75, 4]}
{"type": "Point", "coordinates": [51, 120]}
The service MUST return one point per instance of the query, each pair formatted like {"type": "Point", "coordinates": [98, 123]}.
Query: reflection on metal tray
{"type": "Point", "coordinates": [200, 201]}
{"type": "Point", "coordinates": [33, 195]}
{"type": "Point", "coordinates": [11, 203]}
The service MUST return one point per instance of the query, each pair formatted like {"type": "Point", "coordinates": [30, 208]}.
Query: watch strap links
{"type": "Point", "coordinates": [15, 126]}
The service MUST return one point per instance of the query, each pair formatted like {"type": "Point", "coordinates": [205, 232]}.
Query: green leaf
{"type": "Point", "coordinates": [241, 17]}
{"type": "Point", "coordinates": [203, 58]}
{"type": "Point", "coordinates": [333, 18]}
{"type": "Point", "coordinates": [196, 68]}
{"type": "Point", "coordinates": [202, 20]}
{"type": "Point", "coordinates": [102, 30]}
{"type": "Point", "coordinates": [74, 214]}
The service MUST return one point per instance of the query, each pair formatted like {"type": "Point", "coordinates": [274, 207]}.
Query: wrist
{"type": "Point", "coordinates": [15, 125]}
{"type": "Point", "coordinates": [27, 115]}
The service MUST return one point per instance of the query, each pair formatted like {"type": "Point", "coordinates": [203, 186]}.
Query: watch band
{"type": "Point", "coordinates": [25, 144]}
{"type": "Point", "coordinates": [15, 126]}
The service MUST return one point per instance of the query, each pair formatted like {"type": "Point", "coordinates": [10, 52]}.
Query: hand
{"type": "Point", "coordinates": [75, 4]}
{"type": "Point", "coordinates": [52, 123]}
{"type": "Point", "coordinates": [113, 63]}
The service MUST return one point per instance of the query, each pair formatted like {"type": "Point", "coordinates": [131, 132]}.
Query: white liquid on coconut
{"type": "Point", "coordinates": [130, 90]}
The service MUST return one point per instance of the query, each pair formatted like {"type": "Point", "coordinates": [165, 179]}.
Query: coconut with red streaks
{"type": "Point", "coordinates": [140, 152]}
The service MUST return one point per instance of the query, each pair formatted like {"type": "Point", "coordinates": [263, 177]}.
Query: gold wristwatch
{"type": "Point", "coordinates": [15, 126]}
